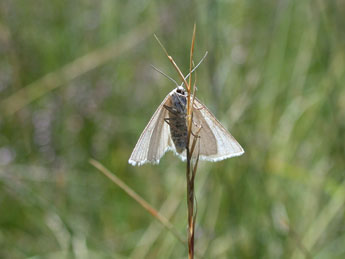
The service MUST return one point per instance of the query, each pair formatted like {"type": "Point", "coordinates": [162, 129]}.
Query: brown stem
{"type": "Point", "coordinates": [190, 206]}
{"type": "Point", "coordinates": [190, 173]}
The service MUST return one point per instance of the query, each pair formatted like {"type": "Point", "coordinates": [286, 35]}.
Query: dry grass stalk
{"type": "Point", "coordinates": [191, 167]}
{"type": "Point", "coordinates": [130, 192]}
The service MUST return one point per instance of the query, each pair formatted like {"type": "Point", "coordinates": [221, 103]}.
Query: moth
{"type": "Point", "coordinates": [167, 130]}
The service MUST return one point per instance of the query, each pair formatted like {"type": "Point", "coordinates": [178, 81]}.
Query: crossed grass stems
{"type": "Point", "coordinates": [191, 165]}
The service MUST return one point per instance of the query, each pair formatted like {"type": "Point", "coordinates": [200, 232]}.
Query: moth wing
{"type": "Point", "coordinates": [155, 140]}
{"type": "Point", "coordinates": [215, 142]}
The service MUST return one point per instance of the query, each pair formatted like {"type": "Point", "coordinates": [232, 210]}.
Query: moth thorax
{"type": "Point", "coordinates": [177, 121]}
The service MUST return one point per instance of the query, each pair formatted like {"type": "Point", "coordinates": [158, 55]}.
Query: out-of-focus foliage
{"type": "Point", "coordinates": [274, 76]}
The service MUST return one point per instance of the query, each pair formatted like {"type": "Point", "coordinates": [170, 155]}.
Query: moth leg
{"type": "Point", "coordinates": [167, 121]}
{"type": "Point", "coordinates": [200, 127]}
{"type": "Point", "coordinates": [195, 124]}
{"type": "Point", "coordinates": [172, 110]}
{"type": "Point", "coordinates": [171, 125]}
{"type": "Point", "coordinates": [199, 109]}
{"type": "Point", "coordinates": [196, 136]}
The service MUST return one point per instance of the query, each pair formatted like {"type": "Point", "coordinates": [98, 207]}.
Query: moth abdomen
{"type": "Point", "coordinates": [177, 120]}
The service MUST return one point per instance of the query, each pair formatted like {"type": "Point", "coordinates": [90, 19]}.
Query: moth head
{"type": "Point", "coordinates": [180, 90]}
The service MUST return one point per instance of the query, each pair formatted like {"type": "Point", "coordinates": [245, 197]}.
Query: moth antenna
{"type": "Point", "coordinates": [196, 66]}
{"type": "Point", "coordinates": [161, 72]}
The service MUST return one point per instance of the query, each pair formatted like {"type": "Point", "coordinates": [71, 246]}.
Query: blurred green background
{"type": "Point", "coordinates": [76, 83]}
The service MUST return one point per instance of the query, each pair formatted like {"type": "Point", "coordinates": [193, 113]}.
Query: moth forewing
{"type": "Point", "coordinates": [216, 143]}
{"type": "Point", "coordinates": [207, 143]}
{"type": "Point", "coordinates": [155, 140]}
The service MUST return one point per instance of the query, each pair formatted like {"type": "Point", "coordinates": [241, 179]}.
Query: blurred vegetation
{"type": "Point", "coordinates": [76, 83]}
